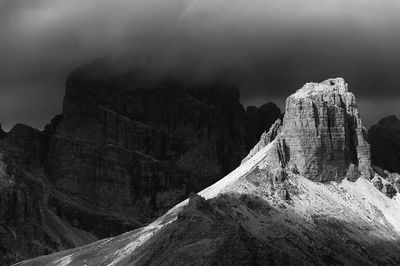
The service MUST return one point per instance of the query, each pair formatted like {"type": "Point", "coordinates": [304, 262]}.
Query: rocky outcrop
{"type": "Point", "coordinates": [386, 182]}
{"type": "Point", "coordinates": [384, 139]}
{"type": "Point", "coordinates": [389, 190]}
{"type": "Point", "coordinates": [128, 146]}
{"type": "Point", "coordinates": [321, 134]}
{"type": "Point", "coordinates": [377, 182]}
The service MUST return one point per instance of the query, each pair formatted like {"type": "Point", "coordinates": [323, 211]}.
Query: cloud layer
{"type": "Point", "coordinates": [269, 48]}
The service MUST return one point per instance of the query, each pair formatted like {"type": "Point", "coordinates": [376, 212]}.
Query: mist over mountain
{"type": "Point", "coordinates": [128, 146]}
{"type": "Point", "coordinates": [181, 132]}
{"type": "Point", "coordinates": [266, 48]}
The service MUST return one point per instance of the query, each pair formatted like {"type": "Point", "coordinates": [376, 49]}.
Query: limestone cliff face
{"type": "Point", "coordinates": [322, 135]}
{"type": "Point", "coordinates": [28, 224]}
{"type": "Point", "coordinates": [136, 146]}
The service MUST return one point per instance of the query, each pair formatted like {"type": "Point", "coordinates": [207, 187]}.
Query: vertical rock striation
{"type": "Point", "coordinates": [28, 225]}
{"type": "Point", "coordinates": [135, 145]}
{"type": "Point", "coordinates": [321, 134]}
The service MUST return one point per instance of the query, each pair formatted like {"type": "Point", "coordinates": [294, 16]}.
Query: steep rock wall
{"type": "Point", "coordinates": [321, 135]}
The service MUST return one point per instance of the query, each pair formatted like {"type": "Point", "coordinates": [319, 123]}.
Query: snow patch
{"type": "Point", "coordinates": [215, 189]}
{"type": "Point", "coordinates": [144, 235]}
{"type": "Point", "coordinates": [64, 261]}
{"type": "Point", "coordinates": [311, 88]}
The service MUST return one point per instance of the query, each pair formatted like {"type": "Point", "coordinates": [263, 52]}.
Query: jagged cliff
{"type": "Point", "coordinates": [127, 147]}
{"type": "Point", "coordinates": [277, 207]}
{"type": "Point", "coordinates": [321, 134]}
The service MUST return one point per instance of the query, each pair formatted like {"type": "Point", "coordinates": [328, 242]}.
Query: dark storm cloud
{"type": "Point", "coordinates": [269, 48]}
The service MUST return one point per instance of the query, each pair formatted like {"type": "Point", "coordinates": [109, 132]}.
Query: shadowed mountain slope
{"type": "Point", "coordinates": [128, 146]}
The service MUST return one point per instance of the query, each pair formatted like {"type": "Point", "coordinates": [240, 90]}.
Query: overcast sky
{"type": "Point", "coordinates": [269, 48]}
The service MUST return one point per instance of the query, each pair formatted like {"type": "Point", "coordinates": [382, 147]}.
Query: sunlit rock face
{"type": "Point", "coordinates": [320, 137]}
{"type": "Point", "coordinates": [321, 134]}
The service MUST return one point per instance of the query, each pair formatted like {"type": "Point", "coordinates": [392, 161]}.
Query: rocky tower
{"type": "Point", "coordinates": [321, 134]}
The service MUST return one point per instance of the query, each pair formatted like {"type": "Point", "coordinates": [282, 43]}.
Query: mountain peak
{"type": "Point", "coordinates": [337, 85]}
{"type": "Point", "coordinates": [322, 135]}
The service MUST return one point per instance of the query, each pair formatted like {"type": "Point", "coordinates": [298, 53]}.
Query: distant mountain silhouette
{"type": "Point", "coordinates": [384, 138]}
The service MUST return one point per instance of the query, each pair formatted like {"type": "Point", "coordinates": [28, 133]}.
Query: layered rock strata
{"type": "Point", "coordinates": [135, 145]}
{"type": "Point", "coordinates": [321, 135]}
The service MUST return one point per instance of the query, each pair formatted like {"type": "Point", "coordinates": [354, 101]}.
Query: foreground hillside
{"type": "Point", "coordinates": [307, 194]}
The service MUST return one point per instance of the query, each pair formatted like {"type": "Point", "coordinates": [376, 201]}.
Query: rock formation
{"type": "Point", "coordinates": [126, 148]}
{"type": "Point", "coordinates": [139, 145]}
{"type": "Point", "coordinates": [28, 226]}
{"type": "Point", "coordinates": [384, 138]}
{"type": "Point", "coordinates": [386, 182]}
{"type": "Point", "coordinates": [321, 134]}
{"type": "Point", "coordinates": [303, 198]}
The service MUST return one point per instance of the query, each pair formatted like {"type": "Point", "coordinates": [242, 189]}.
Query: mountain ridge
{"type": "Point", "coordinates": [275, 209]}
